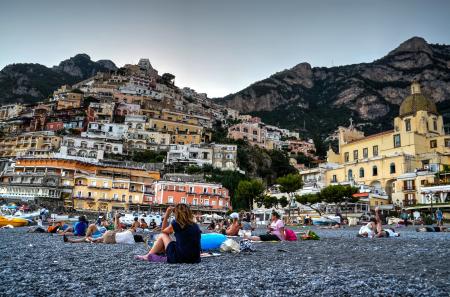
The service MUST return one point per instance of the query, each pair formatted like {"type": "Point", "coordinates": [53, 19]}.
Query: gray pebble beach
{"type": "Point", "coordinates": [415, 264]}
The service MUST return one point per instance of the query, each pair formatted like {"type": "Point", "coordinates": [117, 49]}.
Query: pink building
{"type": "Point", "coordinates": [54, 126]}
{"type": "Point", "coordinates": [198, 195]}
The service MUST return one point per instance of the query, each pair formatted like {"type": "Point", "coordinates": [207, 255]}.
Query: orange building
{"type": "Point", "coordinates": [200, 196]}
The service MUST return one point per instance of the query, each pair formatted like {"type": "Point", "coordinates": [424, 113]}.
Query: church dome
{"type": "Point", "coordinates": [416, 101]}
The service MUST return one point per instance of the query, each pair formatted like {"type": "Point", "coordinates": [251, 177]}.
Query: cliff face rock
{"type": "Point", "coordinates": [33, 82]}
{"type": "Point", "coordinates": [369, 92]}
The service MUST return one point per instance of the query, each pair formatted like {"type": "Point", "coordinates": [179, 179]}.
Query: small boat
{"type": "Point", "coordinates": [16, 222]}
{"type": "Point", "coordinates": [28, 216]}
{"type": "Point", "coordinates": [326, 220]}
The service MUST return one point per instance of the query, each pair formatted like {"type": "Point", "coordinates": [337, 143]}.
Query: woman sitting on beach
{"type": "Point", "coordinates": [275, 230]}
{"type": "Point", "coordinates": [186, 248]}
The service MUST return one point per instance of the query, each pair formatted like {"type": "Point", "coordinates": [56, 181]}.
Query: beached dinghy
{"type": "Point", "coordinates": [326, 220]}
{"type": "Point", "coordinates": [16, 222]}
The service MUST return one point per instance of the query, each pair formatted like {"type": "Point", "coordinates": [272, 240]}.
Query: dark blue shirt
{"type": "Point", "coordinates": [187, 243]}
{"type": "Point", "coordinates": [80, 228]}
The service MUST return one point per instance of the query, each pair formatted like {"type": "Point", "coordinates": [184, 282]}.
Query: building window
{"type": "Point", "coordinates": [392, 168]}
{"type": "Point", "coordinates": [206, 202]}
{"type": "Point", "coordinates": [130, 198]}
{"type": "Point", "coordinates": [447, 142]}
{"type": "Point", "coordinates": [361, 172]}
{"type": "Point", "coordinates": [194, 202]}
{"type": "Point", "coordinates": [408, 124]}
{"type": "Point", "coordinates": [334, 179]}
{"type": "Point", "coordinates": [183, 199]}
{"type": "Point", "coordinates": [433, 143]}
{"type": "Point", "coordinates": [374, 171]}
{"type": "Point", "coordinates": [170, 199]}
{"type": "Point", "coordinates": [350, 174]}
{"type": "Point", "coordinates": [220, 202]}
{"type": "Point", "coordinates": [346, 157]}
{"type": "Point", "coordinates": [355, 155]}
{"type": "Point", "coordinates": [365, 153]}
{"type": "Point", "coordinates": [205, 190]}
{"type": "Point", "coordinates": [124, 197]}
{"type": "Point", "coordinates": [435, 125]}
{"type": "Point", "coordinates": [375, 150]}
{"type": "Point", "coordinates": [397, 142]}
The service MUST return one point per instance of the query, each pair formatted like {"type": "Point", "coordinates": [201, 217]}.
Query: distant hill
{"type": "Point", "coordinates": [323, 98]}
{"type": "Point", "coordinates": [32, 82]}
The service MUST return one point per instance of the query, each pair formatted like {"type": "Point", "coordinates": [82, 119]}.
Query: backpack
{"type": "Point", "coordinates": [290, 235]}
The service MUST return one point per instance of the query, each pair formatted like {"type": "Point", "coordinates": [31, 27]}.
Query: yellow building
{"type": "Point", "coordinates": [417, 143]}
{"type": "Point", "coordinates": [79, 185]}
{"type": "Point", "coordinates": [181, 133]}
{"type": "Point", "coordinates": [113, 188]}
{"type": "Point", "coordinates": [23, 144]}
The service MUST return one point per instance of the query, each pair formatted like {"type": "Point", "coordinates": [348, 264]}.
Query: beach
{"type": "Point", "coordinates": [415, 264]}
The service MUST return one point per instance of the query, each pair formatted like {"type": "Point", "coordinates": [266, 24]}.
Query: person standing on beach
{"type": "Point", "coordinates": [439, 217]}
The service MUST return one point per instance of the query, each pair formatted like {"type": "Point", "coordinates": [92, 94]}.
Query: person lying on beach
{"type": "Point", "coordinates": [78, 229]}
{"type": "Point", "coordinates": [380, 232]}
{"type": "Point", "coordinates": [275, 230]}
{"type": "Point", "coordinates": [432, 229]}
{"type": "Point", "coordinates": [375, 228]}
{"type": "Point", "coordinates": [233, 229]}
{"type": "Point", "coordinates": [101, 235]}
{"type": "Point", "coordinates": [186, 248]}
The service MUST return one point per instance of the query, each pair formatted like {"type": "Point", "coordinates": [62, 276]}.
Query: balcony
{"type": "Point", "coordinates": [84, 198]}
{"type": "Point", "coordinates": [409, 188]}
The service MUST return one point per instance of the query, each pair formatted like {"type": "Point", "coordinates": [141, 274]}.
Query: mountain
{"type": "Point", "coordinates": [33, 82]}
{"type": "Point", "coordinates": [319, 98]}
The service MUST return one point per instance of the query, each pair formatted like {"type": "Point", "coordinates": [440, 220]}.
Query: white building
{"type": "Point", "coordinates": [221, 156]}
{"type": "Point", "coordinates": [192, 154]}
{"type": "Point", "coordinates": [82, 147]}
{"type": "Point", "coordinates": [112, 131]}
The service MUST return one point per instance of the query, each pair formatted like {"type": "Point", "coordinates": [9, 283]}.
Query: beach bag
{"type": "Point", "coordinates": [290, 235]}
{"type": "Point", "coordinates": [230, 245]}
{"type": "Point", "coordinates": [246, 246]}
{"type": "Point", "coordinates": [310, 235]}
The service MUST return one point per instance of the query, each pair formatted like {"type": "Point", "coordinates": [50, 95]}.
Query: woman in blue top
{"type": "Point", "coordinates": [186, 248]}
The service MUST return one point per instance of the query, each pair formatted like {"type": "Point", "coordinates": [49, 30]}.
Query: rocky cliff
{"type": "Point", "coordinates": [33, 82]}
{"type": "Point", "coordinates": [319, 99]}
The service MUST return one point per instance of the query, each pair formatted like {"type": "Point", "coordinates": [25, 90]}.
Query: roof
{"type": "Point", "coordinates": [415, 102]}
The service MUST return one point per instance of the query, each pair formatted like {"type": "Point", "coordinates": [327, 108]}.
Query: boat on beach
{"type": "Point", "coordinates": [13, 221]}
{"type": "Point", "coordinates": [326, 220]}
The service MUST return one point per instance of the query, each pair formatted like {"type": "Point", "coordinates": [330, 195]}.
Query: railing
{"type": "Point", "coordinates": [409, 188]}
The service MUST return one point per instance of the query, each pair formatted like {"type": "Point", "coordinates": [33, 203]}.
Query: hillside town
{"type": "Point", "coordinates": [80, 150]}
{"type": "Point", "coordinates": [77, 150]}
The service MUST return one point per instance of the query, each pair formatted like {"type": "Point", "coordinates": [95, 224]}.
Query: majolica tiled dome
{"type": "Point", "coordinates": [415, 102]}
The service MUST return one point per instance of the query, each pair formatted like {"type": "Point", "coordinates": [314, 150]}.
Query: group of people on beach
{"type": "Point", "coordinates": [179, 239]}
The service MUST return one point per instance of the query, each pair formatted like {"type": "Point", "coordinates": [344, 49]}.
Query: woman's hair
{"type": "Point", "coordinates": [183, 215]}
{"type": "Point", "coordinates": [247, 217]}
{"type": "Point", "coordinates": [82, 219]}
{"type": "Point", "coordinates": [276, 214]}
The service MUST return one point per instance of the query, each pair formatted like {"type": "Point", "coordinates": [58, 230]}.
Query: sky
{"type": "Point", "coordinates": [212, 46]}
